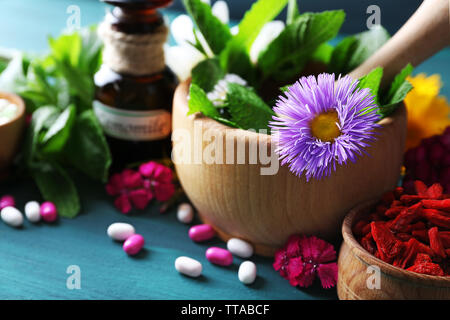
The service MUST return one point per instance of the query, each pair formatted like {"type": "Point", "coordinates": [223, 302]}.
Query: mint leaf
{"type": "Point", "coordinates": [38, 121]}
{"type": "Point", "coordinates": [323, 53]}
{"type": "Point", "coordinates": [397, 92]}
{"type": "Point", "coordinates": [342, 54]}
{"type": "Point", "coordinates": [354, 50]}
{"type": "Point", "coordinates": [292, 12]}
{"type": "Point", "coordinates": [56, 186]}
{"type": "Point", "coordinates": [207, 73]}
{"type": "Point", "coordinates": [247, 109]}
{"type": "Point", "coordinates": [56, 137]}
{"type": "Point", "coordinates": [372, 81]}
{"type": "Point", "coordinates": [87, 149]}
{"type": "Point", "coordinates": [199, 102]}
{"type": "Point", "coordinates": [239, 46]}
{"type": "Point", "coordinates": [215, 32]}
{"type": "Point", "coordinates": [285, 56]}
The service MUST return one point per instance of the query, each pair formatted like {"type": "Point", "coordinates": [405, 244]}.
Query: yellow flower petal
{"type": "Point", "coordinates": [428, 113]}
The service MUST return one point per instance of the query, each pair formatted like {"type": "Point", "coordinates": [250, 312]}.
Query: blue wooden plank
{"type": "Point", "coordinates": [34, 259]}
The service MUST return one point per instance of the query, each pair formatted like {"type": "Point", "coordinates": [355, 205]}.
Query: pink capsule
{"type": "Point", "coordinates": [48, 212]}
{"type": "Point", "coordinates": [7, 201]}
{"type": "Point", "coordinates": [201, 232]}
{"type": "Point", "coordinates": [219, 256]}
{"type": "Point", "coordinates": [133, 244]}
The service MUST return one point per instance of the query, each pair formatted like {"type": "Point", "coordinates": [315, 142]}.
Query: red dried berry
{"type": "Point", "coordinates": [427, 268]}
{"type": "Point", "coordinates": [406, 217]}
{"type": "Point", "coordinates": [435, 191]}
{"type": "Point", "coordinates": [421, 188]}
{"type": "Point", "coordinates": [398, 192]}
{"type": "Point", "coordinates": [443, 205]}
{"type": "Point", "coordinates": [436, 218]}
{"type": "Point", "coordinates": [436, 243]}
{"type": "Point", "coordinates": [445, 238]}
{"type": "Point", "coordinates": [394, 211]}
{"type": "Point", "coordinates": [388, 246]}
{"type": "Point", "coordinates": [421, 235]}
{"type": "Point", "coordinates": [421, 258]}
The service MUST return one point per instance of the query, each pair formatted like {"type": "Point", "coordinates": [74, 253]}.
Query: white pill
{"type": "Point", "coordinates": [120, 231]}
{"type": "Point", "coordinates": [240, 248]}
{"type": "Point", "coordinates": [33, 211]}
{"type": "Point", "coordinates": [185, 213]}
{"type": "Point", "coordinates": [188, 266]}
{"type": "Point", "coordinates": [247, 272]}
{"type": "Point", "coordinates": [12, 216]}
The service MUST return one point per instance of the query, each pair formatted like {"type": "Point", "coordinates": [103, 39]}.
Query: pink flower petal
{"type": "Point", "coordinates": [306, 278]}
{"type": "Point", "coordinates": [316, 250]}
{"type": "Point", "coordinates": [280, 257]}
{"type": "Point", "coordinates": [114, 185]}
{"type": "Point", "coordinates": [147, 169]}
{"type": "Point", "coordinates": [131, 179]}
{"type": "Point", "coordinates": [328, 274]}
{"type": "Point", "coordinates": [163, 174]}
{"type": "Point", "coordinates": [140, 198]}
{"type": "Point", "coordinates": [123, 203]}
{"type": "Point", "coordinates": [293, 246]}
{"type": "Point", "coordinates": [294, 269]}
{"type": "Point", "coordinates": [163, 191]}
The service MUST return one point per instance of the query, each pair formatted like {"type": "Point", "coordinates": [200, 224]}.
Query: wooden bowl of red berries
{"type": "Point", "coordinates": [398, 247]}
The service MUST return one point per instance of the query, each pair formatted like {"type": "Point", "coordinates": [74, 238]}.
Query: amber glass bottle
{"type": "Point", "coordinates": [134, 88]}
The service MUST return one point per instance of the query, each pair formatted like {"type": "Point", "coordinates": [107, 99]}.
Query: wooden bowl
{"type": "Point", "coordinates": [395, 283]}
{"type": "Point", "coordinates": [11, 132]}
{"type": "Point", "coordinates": [265, 209]}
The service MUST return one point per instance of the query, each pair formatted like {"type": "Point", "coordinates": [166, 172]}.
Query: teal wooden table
{"type": "Point", "coordinates": [34, 259]}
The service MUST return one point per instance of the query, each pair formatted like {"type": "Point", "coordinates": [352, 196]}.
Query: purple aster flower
{"type": "Point", "coordinates": [320, 123]}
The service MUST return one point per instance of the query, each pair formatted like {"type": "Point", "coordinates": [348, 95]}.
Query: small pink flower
{"type": "Point", "coordinates": [304, 258]}
{"type": "Point", "coordinates": [135, 189]}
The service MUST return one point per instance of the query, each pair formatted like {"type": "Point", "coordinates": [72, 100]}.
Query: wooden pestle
{"type": "Point", "coordinates": [425, 33]}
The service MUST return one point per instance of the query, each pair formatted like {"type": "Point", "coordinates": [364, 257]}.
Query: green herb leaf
{"type": "Point", "coordinates": [199, 102]}
{"type": "Point", "coordinates": [38, 121]}
{"type": "Point", "coordinates": [342, 54]}
{"type": "Point", "coordinates": [247, 109]}
{"type": "Point", "coordinates": [56, 137]}
{"type": "Point", "coordinates": [215, 32]}
{"type": "Point", "coordinates": [87, 149]}
{"type": "Point", "coordinates": [323, 53]}
{"type": "Point", "coordinates": [56, 186]}
{"type": "Point", "coordinates": [292, 12]}
{"type": "Point", "coordinates": [235, 54]}
{"type": "Point", "coordinates": [285, 56]}
{"type": "Point", "coordinates": [397, 92]}
{"type": "Point", "coordinates": [354, 50]}
{"type": "Point", "coordinates": [372, 81]}
{"type": "Point", "coordinates": [207, 73]}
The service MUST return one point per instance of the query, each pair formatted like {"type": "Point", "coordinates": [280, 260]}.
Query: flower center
{"type": "Point", "coordinates": [324, 126]}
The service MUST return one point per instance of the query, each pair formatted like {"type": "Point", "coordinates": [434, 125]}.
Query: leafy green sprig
{"type": "Point", "coordinates": [64, 133]}
{"type": "Point", "coordinates": [304, 40]}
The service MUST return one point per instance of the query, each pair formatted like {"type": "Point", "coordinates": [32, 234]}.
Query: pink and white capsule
{"type": "Point", "coordinates": [7, 201]}
{"type": "Point", "coordinates": [219, 256]}
{"type": "Point", "coordinates": [201, 232]}
{"type": "Point", "coordinates": [133, 244]}
{"type": "Point", "coordinates": [49, 213]}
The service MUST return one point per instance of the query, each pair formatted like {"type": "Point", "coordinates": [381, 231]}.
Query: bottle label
{"type": "Point", "coordinates": [133, 125]}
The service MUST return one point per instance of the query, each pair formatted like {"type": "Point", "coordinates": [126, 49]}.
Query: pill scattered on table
{"type": "Point", "coordinates": [188, 266]}
{"type": "Point", "coordinates": [7, 201]}
{"type": "Point", "coordinates": [120, 231]}
{"type": "Point", "coordinates": [247, 272]}
{"type": "Point", "coordinates": [133, 244]}
{"type": "Point", "coordinates": [48, 211]}
{"type": "Point", "coordinates": [33, 211]}
{"type": "Point", "coordinates": [12, 216]}
{"type": "Point", "coordinates": [240, 248]}
{"type": "Point", "coordinates": [201, 232]}
{"type": "Point", "coordinates": [185, 213]}
{"type": "Point", "coordinates": [219, 256]}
